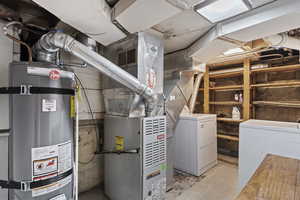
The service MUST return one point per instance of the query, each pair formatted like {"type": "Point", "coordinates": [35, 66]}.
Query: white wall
{"type": "Point", "coordinates": [6, 56]}
{"type": "Point", "coordinates": [90, 167]}
{"type": "Point", "coordinates": [92, 82]}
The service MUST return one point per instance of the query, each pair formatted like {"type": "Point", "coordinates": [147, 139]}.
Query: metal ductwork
{"type": "Point", "coordinates": [283, 40]}
{"type": "Point", "coordinates": [127, 12]}
{"type": "Point", "coordinates": [45, 54]}
{"type": "Point", "coordinates": [273, 18]}
{"type": "Point", "coordinates": [68, 43]}
{"type": "Point", "coordinates": [91, 17]}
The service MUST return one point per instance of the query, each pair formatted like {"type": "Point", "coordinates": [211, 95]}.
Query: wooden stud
{"type": "Point", "coordinates": [247, 89]}
{"type": "Point", "coordinates": [206, 91]}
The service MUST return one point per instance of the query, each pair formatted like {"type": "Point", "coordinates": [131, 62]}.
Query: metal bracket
{"type": "Point", "coordinates": [25, 186]}
{"type": "Point", "coordinates": [29, 89]}
{"type": "Point", "coordinates": [25, 90]}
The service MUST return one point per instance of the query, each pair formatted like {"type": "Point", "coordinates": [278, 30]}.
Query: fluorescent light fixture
{"type": "Point", "coordinates": [233, 51]}
{"type": "Point", "coordinates": [218, 10]}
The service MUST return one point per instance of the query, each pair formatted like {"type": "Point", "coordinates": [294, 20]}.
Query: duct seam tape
{"type": "Point", "coordinates": [59, 197]}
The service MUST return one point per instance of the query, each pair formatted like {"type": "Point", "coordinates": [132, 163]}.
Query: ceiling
{"type": "Point", "coordinates": [180, 28]}
{"type": "Point", "coordinates": [183, 29]}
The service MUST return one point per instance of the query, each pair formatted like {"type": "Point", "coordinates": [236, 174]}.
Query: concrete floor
{"type": "Point", "coordinates": [219, 183]}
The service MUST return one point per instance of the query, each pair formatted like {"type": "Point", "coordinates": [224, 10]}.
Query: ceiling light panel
{"type": "Point", "coordinates": [233, 51]}
{"type": "Point", "coordinates": [219, 10]}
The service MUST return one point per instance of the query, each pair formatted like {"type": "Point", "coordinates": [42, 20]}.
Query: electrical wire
{"type": "Point", "coordinates": [92, 115]}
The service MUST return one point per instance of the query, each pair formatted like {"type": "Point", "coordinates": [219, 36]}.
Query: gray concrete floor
{"type": "Point", "coordinates": [219, 183]}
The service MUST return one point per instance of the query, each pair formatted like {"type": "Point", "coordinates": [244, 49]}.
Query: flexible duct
{"type": "Point", "coordinates": [283, 40]}
{"type": "Point", "coordinates": [68, 43]}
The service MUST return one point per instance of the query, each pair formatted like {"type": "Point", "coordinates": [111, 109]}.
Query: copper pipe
{"type": "Point", "coordinates": [5, 30]}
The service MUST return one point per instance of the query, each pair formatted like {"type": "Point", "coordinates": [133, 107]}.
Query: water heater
{"type": "Point", "coordinates": [41, 155]}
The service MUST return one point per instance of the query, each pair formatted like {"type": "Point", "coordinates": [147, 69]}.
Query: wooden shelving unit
{"type": "Point", "coordinates": [249, 90]}
{"type": "Point", "coordinates": [245, 88]}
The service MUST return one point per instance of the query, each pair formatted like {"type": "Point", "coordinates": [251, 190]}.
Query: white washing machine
{"type": "Point", "coordinates": [196, 143]}
{"type": "Point", "coordinates": [259, 138]}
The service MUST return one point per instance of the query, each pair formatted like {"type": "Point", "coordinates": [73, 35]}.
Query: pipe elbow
{"type": "Point", "coordinates": [54, 40]}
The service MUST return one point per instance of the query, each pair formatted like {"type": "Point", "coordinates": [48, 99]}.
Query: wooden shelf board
{"type": "Point", "coordinates": [229, 120]}
{"type": "Point", "coordinates": [277, 84]}
{"type": "Point", "coordinates": [228, 137]}
{"type": "Point", "coordinates": [277, 69]}
{"type": "Point", "coordinates": [230, 87]}
{"type": "Point", "coordinates": [287, 104]}
{"type": "Point", "coordinates": [229, 103]}
{"type": "Point", "coordinates": [226, 75]}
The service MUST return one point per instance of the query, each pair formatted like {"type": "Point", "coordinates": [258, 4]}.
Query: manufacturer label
{"type": "Point", "coordinates": [59, 197]}
{"type": "Point", "coordinates": [119, 143]}
{"type": "Point", "coordinates": [51, 161]}
{"type": "Point", "coordinates": [54, 75]}
{"type": "Point", "coordinates": [72, 107]}
{"type": "Point", "coordinates": [44, 162]}
{"type": "Point", "coordinates": [160, 137]}
{"type": "Point", "coordinates": [49, 105]}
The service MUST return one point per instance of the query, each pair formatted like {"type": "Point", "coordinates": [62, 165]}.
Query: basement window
{"type": "Point", "coordinates": [219, 10]}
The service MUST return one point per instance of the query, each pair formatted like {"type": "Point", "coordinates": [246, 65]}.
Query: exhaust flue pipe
{"type": "Point", "coordinates": [68, 43]}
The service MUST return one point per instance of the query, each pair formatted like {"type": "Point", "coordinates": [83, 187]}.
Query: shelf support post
{"type": "Point", "coordinates": [206, 91]}
{"type": "Point", "coordinates": [247, 89]}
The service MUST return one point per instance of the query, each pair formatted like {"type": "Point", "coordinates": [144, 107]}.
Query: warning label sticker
{"type": "Point", "coordinates": [119, 143]}
{"type": "Point", "coordinates": [49, 105]}
{"type": "Point", "coordinates": [65, 157]}
{"type": "Point", "coordinates": [51, 161]}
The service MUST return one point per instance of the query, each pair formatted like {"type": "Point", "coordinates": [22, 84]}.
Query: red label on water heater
{"type": "Point", "coordinates": [160, 137]}
{"type": "Point", "coordinates": [54, 75]}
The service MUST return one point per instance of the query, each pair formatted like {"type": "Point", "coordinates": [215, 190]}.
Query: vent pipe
{"type": "Point", "coordinates": [54, 40]}
{"type": "Point", "coordinates": [283, 40]}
